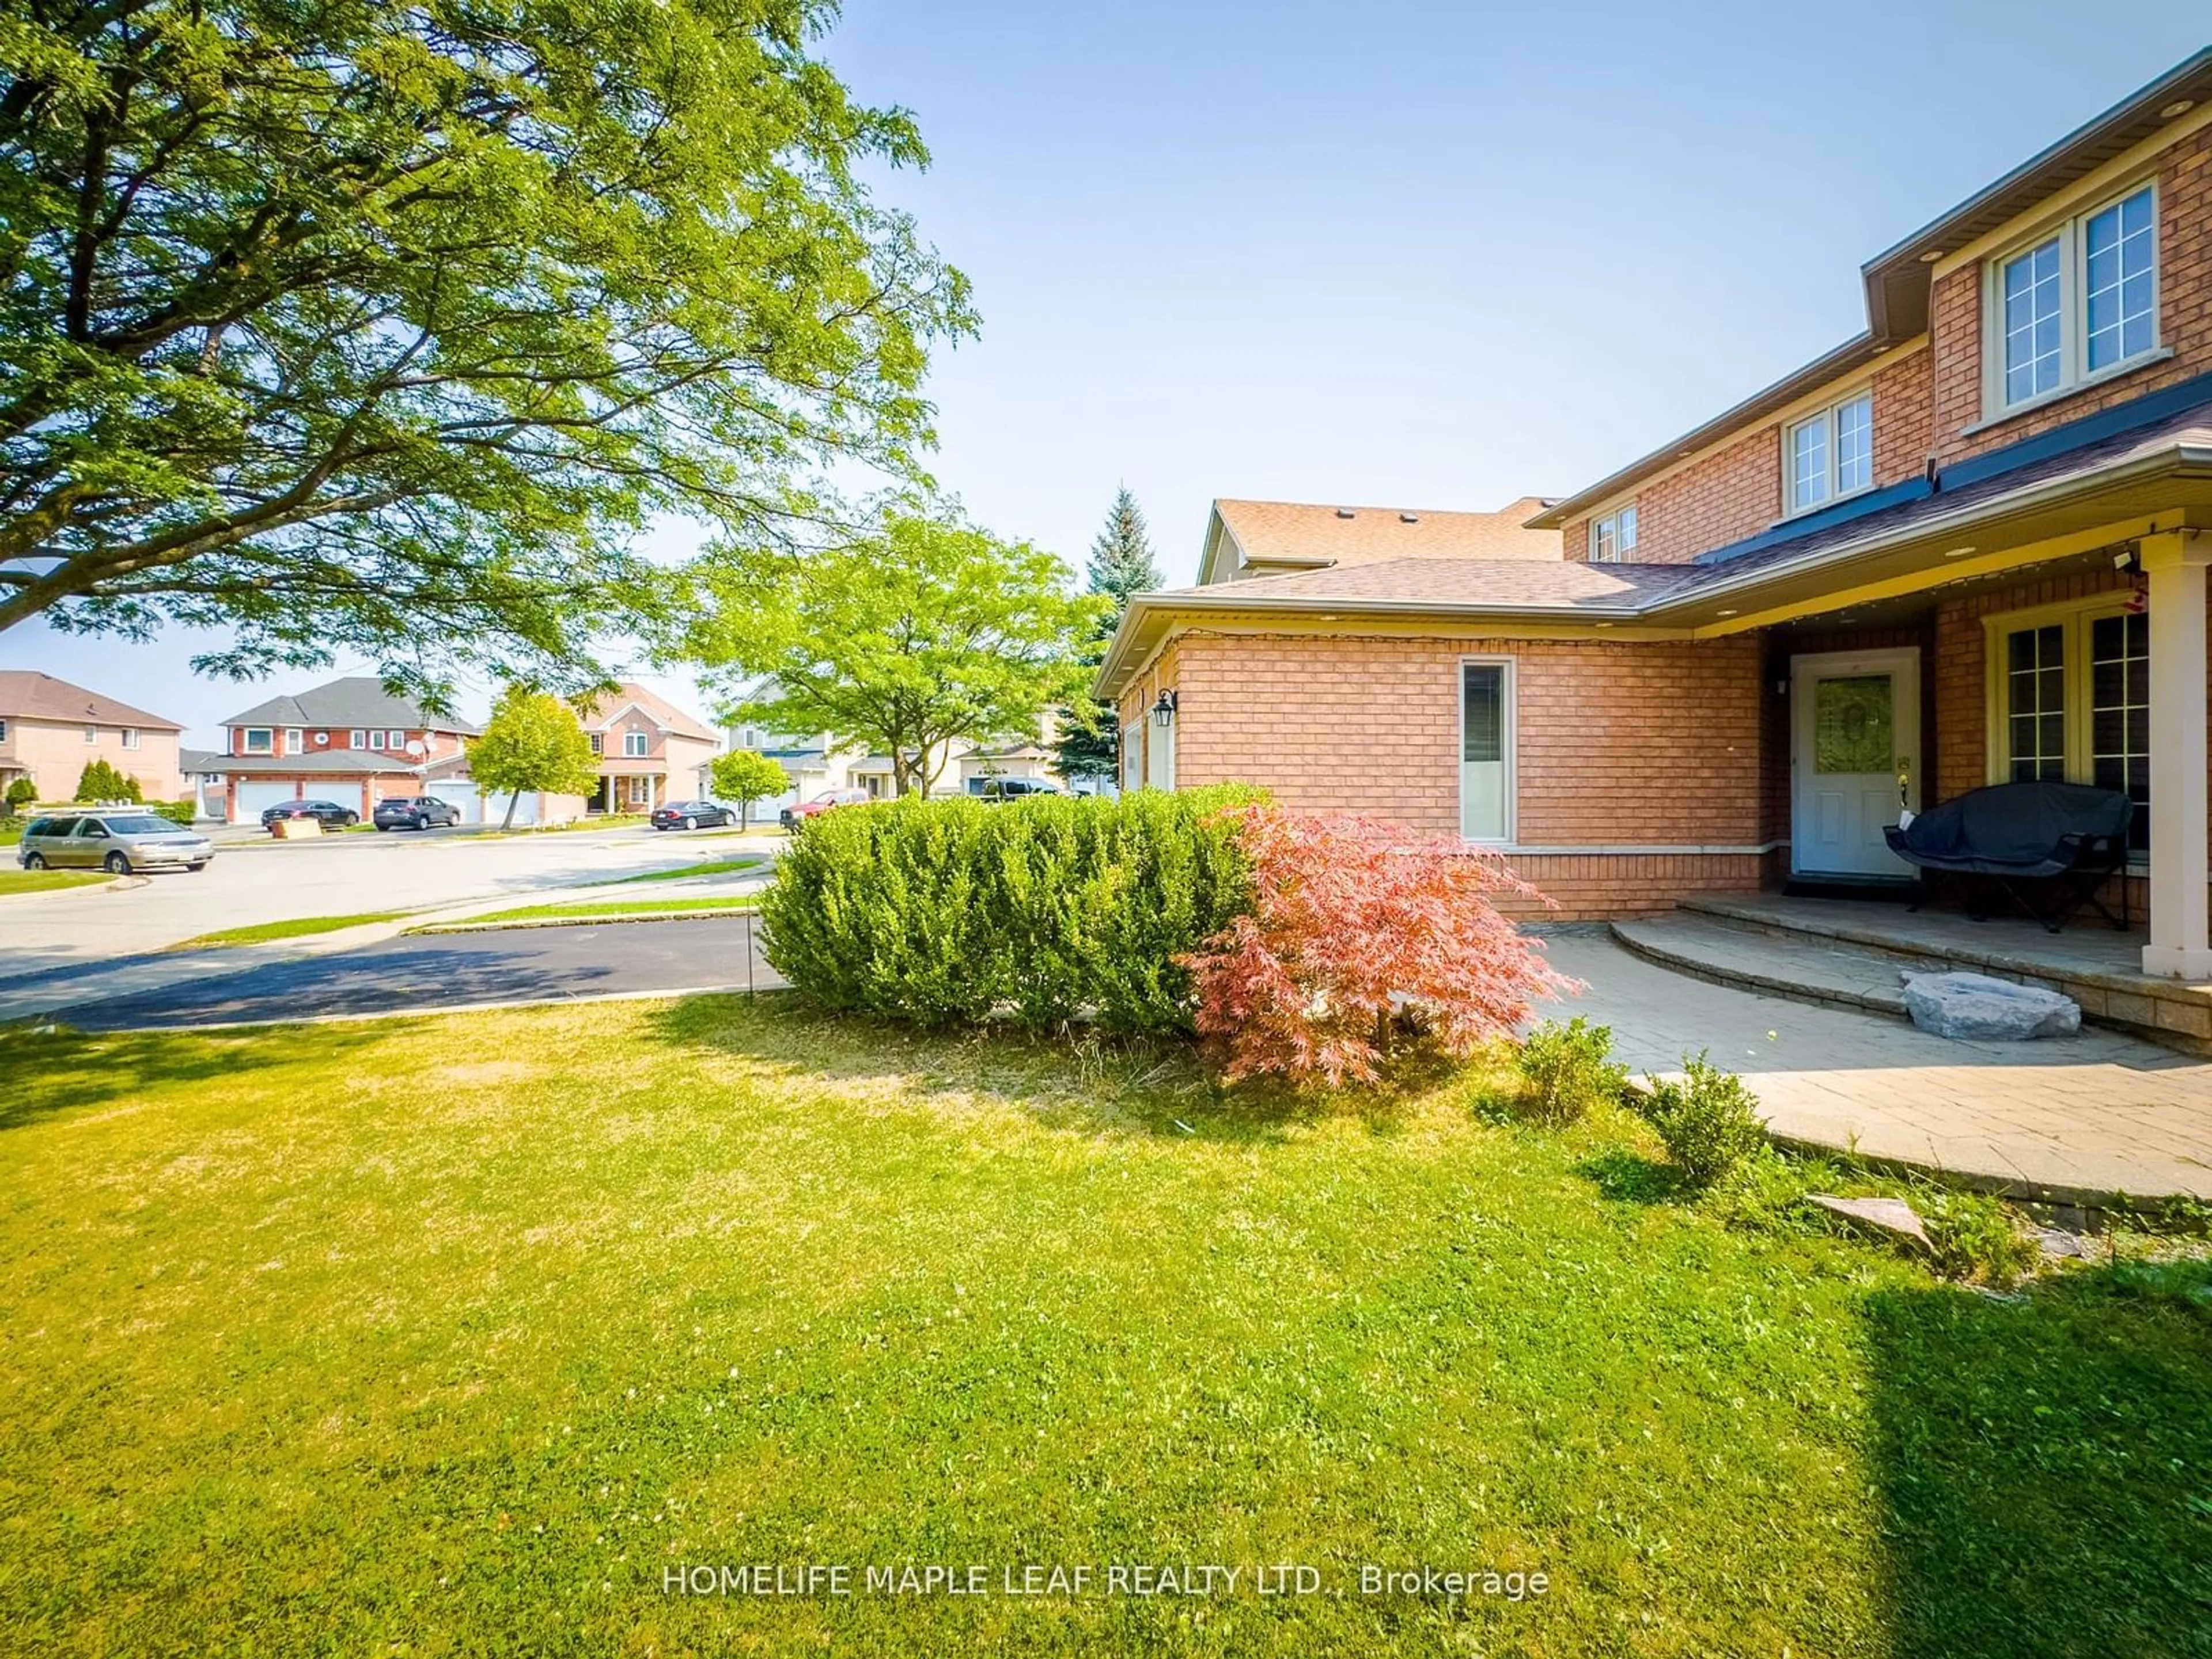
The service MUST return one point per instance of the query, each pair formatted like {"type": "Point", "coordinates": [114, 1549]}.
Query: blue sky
{"type": "Point", "coordinates": [1427, 255]}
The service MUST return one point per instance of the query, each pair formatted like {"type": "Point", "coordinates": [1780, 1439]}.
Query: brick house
{"type": "Point", "coordinates": [1967, 545]}
{"type": "Point", "coordinates": [51, 731]}
{"type": "Point", "coordinates": [350, 741]}
{"type": "Point", "coordinates": [649, 751]}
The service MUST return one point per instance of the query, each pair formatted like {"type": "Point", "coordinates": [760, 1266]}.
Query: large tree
{"type": "Point", "coordinates": [1122, 564]}
{"type": "Point", "coordinates": [353, 325]}
{"type": "Point", "coordinates": [532, 741]}
{"type": "Point", "coordinates": [926, 632]}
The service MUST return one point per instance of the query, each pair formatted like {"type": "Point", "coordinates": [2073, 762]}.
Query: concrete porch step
{"type": "Point", "coordinates": [1849, 955]}
{"type": "Point", "coordinates": [1826, 973]}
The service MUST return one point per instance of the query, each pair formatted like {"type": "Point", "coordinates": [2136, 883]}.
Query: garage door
{"type": "Point", "coordinates": [255, 799]}
{"type": "Point", "coordinates": [463, 795]}
{"type": "Point", "coordinates": [526, 809]}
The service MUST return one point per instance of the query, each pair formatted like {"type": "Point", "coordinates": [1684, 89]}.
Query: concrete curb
{"type": "Point", "coordinates": [720, 913]}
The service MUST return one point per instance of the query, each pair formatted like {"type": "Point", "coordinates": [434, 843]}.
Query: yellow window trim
{"type": "Point", "coordinates": [2075, 615]}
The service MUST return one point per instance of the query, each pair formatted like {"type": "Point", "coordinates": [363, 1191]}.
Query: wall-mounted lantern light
{"type": "Point", "coordinates": [1163, 711]}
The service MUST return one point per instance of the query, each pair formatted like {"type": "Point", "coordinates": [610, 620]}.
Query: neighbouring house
{"type": "Point", "coordinates": [1967, 545]}
{"type": "Point", "coordinates": [350, 741]}
{"type": "Point", "coordinates": [51, 731]}
{"type": "Point", "coordinates": [648, 750]}
{"type": "Point", "coordinates": [815, 761]}
{"type": "Point", "coordinates": [1028, 758]}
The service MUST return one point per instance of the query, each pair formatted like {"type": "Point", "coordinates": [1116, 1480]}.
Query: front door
{"type": "Point", "coordinates": [1854, 759]}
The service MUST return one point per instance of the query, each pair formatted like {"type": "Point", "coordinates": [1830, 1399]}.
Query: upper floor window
{"type": "Point", "coordinates": [3, 731]}
{"type": "Point", "coordinates": [634, 743]}
{"type": "Point", "coordinates": [1614, 537]}
{"type": "Point", "coordinates": [357, 739]}
{"type": "Point", "coordinates": [295, 740]}
{"type": "Point", "coordinates": [92, 734]}
{"type": "Point", "coordinates": [260, 740]}
{"type": "Point", "coordinates": [376, 740]}
{"type": "Point", "coordinates": [599, 743]}
{"type": "Point", "coordinates": [130, 737]}
{"type": "Point", "coordinates": [1831, 454]}
{"type": "Point", "coordinates": [2081, 302]}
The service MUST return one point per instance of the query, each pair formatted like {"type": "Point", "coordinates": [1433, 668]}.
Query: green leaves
{"type": "Point", "coordinates": [388, 328]}
{"type": "Point", "coordinates": [928, 630]}
{"type": "Point", "coordinates": [532, 741]}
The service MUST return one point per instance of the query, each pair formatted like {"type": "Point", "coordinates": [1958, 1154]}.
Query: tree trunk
{"type": "Point", "coordinates": [507, 823]}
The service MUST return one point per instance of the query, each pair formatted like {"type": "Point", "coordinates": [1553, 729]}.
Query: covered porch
{"type": "Point", "coordinates": [2054, 632]}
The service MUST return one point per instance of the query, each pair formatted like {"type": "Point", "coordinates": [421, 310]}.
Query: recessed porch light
{"type": "Point", "coordinates": [2177, 108]}
{"type": "Point", "coordinates": [1931, 256]}
{"type": "Point", "coordinates": [1724, 613]}
{"type": "Point", "coordinates": [1958, 552]}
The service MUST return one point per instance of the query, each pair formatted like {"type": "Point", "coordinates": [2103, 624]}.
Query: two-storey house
{"type": "Point", "coordinates": [350, 741]}
{"type": "Point", "coordinates": [648, 750]}
{"type": "Point", "coordinates": [51, 731]}
{"type": "Point", "coordinates": [1967, 545]}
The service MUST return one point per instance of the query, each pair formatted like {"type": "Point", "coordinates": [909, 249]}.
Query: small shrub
{"type": "Point", "coordinates": [185, 811]}
{"type": "Point", "coordinates": [1975, 1236]}
{"type": "Point", "coordinates": [1567, 1069]}
{"type": "Point", "coordinates": [20, 793]}
{"type": "Point", "coordinates": [1709, 1119]}
{"type": "Point", "coordinates": [1357, 927]}
{"type": "Point", "coordinates": [102, 781]}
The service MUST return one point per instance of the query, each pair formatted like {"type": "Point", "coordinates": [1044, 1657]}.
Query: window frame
{"type": "Point", "coordinates": [357, 737]}
{"type": "Point", "coordinates": [1825, 418]}
{"type": "Point", "coordinates": [3, 730]}
{"type": "Point", "coordinates": [295, 740]}
{"type": "Point", "coordinates": [92, 735]}
{"type": "Point", "coordinates": [637, 745]}
{"type": "Point", "coordinates": [130, 737]}
{"type": "Point", "coordinates": [2077, 617]}
{"type": "Point", "coordinates": [1509, 721]}
{"type": "Point", "coordinates": [598, 743]}
{"type": "Point", "coordinates": [1612, 522]}
{"type": "Point", "coordinates": [268, 735]}
{"type": "Point", "coordinates": [2074, 374]}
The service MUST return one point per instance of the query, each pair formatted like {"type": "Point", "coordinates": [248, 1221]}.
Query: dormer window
{"type": "Point", "coordinates": [1613, 537]}
{"type": "Point", "coordinates": [2081, 302]}
{"type": "Point", "coordinates": [1827, 456]}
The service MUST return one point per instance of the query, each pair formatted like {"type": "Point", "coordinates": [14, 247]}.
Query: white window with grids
{"type": "Point", "coordinates": [633, 745]}
{"type": "Point", "coordinates": [2078, 303]}
{"type": "Point", "coordinates": [1613, 537]}
{"type": "Point", "coordinates": [2069, 699]}
{"type": "Point", "coordinates": [1830, 455]}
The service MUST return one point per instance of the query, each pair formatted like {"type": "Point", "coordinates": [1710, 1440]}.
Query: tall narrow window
{"type": "Point", "coordinates": [2036, 702]}
{"type": "Point", "coordinates": [1486, 799]}
{"type": "Point", "coordinates": [2116, 249]}
{"type": "Point", "coordinates": [1808, 464]}
{"type": "Point", "coordinates": [1855, 444]}
{"type": "Point", "coordinates": [633, 745]}
{"type": "Point", "coordinates": [2119, 713]}
{"type": "Point", "coordinates": [2031, 361]}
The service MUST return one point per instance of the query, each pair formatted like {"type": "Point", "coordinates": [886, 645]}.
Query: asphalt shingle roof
{"type": "Point", "coordinates": [1281, 531]}
{"type": "Point", "coordinates": [356, 700]}
{"type": "Point", "coordinates": [29, 695]}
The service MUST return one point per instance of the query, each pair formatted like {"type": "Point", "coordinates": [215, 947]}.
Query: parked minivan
{"type": "Point", "coordinates": [1009, 788]}
{"type": "Point", "coordinates": [116, 842]}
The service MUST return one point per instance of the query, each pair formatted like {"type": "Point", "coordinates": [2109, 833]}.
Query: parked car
{"type": "Point", "coordinates": [118, 842]}
{"type": "Point", "coordinates": [414, 812]}
{"type": "Point", "coordinates": [795, 818]}
{"type": "Point", "coordinates": [328, 813]}
{"type": "Point", "coordinates": [690, 814]}
{"type": "Point", "coordinates": [1009, 788]}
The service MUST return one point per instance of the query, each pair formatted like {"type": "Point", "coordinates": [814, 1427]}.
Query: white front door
{"type": "Point", "coordinates": [1854, 759]}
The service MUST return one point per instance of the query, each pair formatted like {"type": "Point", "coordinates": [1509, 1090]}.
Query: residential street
{"type": "Point", "coordinates": [263, 880]}
{"type": "Point", "coordinates": [456, 970]}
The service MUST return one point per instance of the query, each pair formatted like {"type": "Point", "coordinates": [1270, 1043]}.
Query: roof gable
{"type": "Point", "coordinates": [27, 695]}
{"type": "Point", "coordinates": [1277, 535]}
{"type": "Point", "coordinates": [358, 701]}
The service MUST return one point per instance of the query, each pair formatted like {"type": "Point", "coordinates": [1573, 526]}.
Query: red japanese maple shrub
{"type": "Point", "coordinates": [1354, 922]}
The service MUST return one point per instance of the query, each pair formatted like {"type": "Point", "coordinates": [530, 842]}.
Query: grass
{"type": "Point", "coordinates": [262, 933]}
{"type": "Point", "coordinates": [611, 908]}
{"type": "Point", "coordinates": [40, 881]}
{"type": "Point", "coordinates": [710, 867]}
{"type": "Point", "coordinates": [450, 1336]}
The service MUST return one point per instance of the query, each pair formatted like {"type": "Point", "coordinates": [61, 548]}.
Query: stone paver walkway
{"type": "Point", "coordinates": [2080, 1120]}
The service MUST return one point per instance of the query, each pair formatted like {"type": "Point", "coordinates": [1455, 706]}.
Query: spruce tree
{"type": "Point", "coordinates": [1122, 564]}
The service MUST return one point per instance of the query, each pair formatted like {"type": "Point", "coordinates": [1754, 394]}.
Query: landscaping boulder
{"type": "Point", "coordinates": [1974, 1007]}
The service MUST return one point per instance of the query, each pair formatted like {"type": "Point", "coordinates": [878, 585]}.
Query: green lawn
{"type": "Point", "coordinates": [606, 907]}
{"type": "Point", "coordinates": [40, 881]}
{"type": "Point", "coordinates": [262, 933]}
{"type": "Point", "coordinates": [450, 1337]}
{"type": "Point", "coordinates": [709, 867]}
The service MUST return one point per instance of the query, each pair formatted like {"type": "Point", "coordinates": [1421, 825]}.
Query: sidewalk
{"type": "Point", "coordinates": [2083, 1119]}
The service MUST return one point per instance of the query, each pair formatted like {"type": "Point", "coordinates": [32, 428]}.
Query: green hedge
{"type": "Point", "coordinates": [942, 911]}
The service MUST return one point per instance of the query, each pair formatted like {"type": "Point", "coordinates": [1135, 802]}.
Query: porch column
{"type": "Point", "coordinates": [2180, 947]}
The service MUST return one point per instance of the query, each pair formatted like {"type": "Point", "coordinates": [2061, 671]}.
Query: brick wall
{"type": "Point", "coordinates": [2184, 302]}
{"type": "Point", "coordinates": [1605, 754]}
{"type": "Point", "coordinates": [1736, 490]}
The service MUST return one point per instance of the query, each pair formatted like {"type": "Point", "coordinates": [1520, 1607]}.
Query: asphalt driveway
{"type": "Point", "coordinates": [456, 970]}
